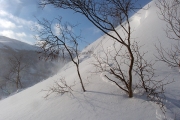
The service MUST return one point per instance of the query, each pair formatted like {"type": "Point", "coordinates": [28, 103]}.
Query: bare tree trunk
{"type": "Point", "coordinates": [130, 72]}
{"type": "Point", "coordinates": [82, 85]}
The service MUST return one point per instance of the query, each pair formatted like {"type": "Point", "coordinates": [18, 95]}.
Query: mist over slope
{"type": "Point", "coordinates": [103, 100]}
{"type": "Point", "coordinates": [34, 69]}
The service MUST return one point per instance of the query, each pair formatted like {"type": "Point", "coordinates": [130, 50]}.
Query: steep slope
{"type": "Point", "coordinates": [102, 101]}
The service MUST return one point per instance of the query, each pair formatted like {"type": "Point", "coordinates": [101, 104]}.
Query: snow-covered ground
{"type": "Point", "coordinates": [102, 101]}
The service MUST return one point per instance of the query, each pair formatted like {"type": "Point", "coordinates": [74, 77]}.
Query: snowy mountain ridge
{"type": "Point", "coordinates": [15, 44]}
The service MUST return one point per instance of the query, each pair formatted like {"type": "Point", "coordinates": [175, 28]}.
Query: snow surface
{"type": "Point", "coordinates": [102, 101]}
{"type": "Point", "coordinates": [15, 44]}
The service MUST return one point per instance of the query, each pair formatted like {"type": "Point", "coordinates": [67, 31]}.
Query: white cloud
{"type": "Point", "coordinates": [17, 20]}
{"type": "Point", "coordinates": [18, 1]}
{"type": "Point", "coordinates": [15, 27]}
{"type": "Point", "coordinates": [37, 26]}
{"type": "Point", "coordinates": [3, 4]}
{"type": "Point", "coordinates": [21, 34]}
{"type": "Point", "coordinates": [14, 35]}
{"type": "Point", "coordinates": [8, 33]}
{"type": "Point", "coordinates": [57, 29]}
{"type": "Point", "coordinates": [6, 24]}
{"type": "Point", "coordinates": [3, 13]}
{"type": "Point", "coordinates": [69, 28]}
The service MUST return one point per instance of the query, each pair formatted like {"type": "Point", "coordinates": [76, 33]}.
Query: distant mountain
{"type": "Point", "coordinates": [6, 42]}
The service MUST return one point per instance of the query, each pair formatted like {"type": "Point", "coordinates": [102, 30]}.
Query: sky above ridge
{"type": "Point", "coordinates": [17, 17]}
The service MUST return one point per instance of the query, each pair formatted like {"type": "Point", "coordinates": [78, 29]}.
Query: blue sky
{"type": "Point", "coordinates": [17, 19]}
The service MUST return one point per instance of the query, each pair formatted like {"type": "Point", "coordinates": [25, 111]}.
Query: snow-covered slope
{"type": "Point", "coordinates": [15, 44]}
{"type": "Point", "coordinates": [102, 101]}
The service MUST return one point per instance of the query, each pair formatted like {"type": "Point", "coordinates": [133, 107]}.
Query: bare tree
{"type": "Point", "coordinates": [57, 39]}
{"type": "Point", "coordinates": [114, 62]}
{"type": "Point", "coordinates": [169, 12]}
{"type": "Point", "coordinates": [59, 87]}
{"type": "Point", "coordinates": [147, 81]}
{"type": "Point", "coordinates": [106, 15]}
{"type": "Point", "coordinates": [15, 71]}
{"type": "Point", "coordinates": [170, 56]}
{"type": "Point", "coordinates": [107, 62]}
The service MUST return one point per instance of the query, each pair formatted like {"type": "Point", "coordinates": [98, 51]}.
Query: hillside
{"type": "Point", "coordinates": [103, 100]}
{"type": "Point", "coordinates": [34, 69]}
{"type": "Point", "coordinates": [15, 44]}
